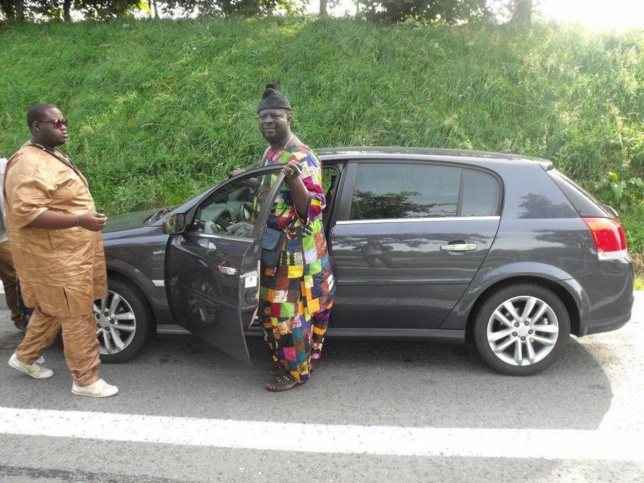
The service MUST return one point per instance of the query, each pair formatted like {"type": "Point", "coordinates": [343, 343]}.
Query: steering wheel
{"type": "Point", "coordinates": [245, 211]}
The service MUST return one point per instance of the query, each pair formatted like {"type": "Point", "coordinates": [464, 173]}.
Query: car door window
{"type": "Point", "coordinates": [480, 194]}
{"type": "Point", "coordinates": [385, 191]}
{"type": "Point", "coordinates": [230, 205]}
{"type": "Point", "coordinates": [388, 191]}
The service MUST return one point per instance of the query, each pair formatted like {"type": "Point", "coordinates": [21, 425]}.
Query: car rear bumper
{"type": "Point", "coordinates": [606, 325]}
{"type": "Point", "coordinates": [611, 296]}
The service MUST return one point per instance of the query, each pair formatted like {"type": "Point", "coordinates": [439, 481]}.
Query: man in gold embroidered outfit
{"type": "Point", "coordinates": [54, 231]}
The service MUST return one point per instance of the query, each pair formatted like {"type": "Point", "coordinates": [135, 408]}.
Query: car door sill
{"type": "Point", "coordinates": [444, 335]}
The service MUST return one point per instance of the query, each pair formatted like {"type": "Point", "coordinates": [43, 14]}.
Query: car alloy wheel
{"type": "Point", "coordinates": [122, 322]}
{"type": "Point", "coordinates": [522, 329]}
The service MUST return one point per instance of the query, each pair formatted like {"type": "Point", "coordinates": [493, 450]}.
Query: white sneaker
{"type": "Point", "coordinates": [98, 389]}
{"type": "Point", "coordinates": [34, 370]}
{"type": "Point", "coordinates": [40, 360]}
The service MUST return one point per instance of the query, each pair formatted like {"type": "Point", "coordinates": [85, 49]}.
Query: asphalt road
{"type": "Point", "coordinates": [373, 411]}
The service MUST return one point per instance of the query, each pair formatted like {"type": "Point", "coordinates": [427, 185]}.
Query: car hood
{"type": "Point", "coordinates": [135, 219]}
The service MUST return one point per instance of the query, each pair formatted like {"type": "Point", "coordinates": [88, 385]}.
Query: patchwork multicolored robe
{"type": "Point", "coordinates": [296, 297]}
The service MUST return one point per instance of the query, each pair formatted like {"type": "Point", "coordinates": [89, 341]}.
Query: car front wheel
{"type": "Point", "coordinates": [123, 322]}
{"type": "Point", "coordinates": [521, 329]}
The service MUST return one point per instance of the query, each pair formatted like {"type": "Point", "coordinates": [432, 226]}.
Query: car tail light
{"type": "Point", "coordinates": [609, 236]}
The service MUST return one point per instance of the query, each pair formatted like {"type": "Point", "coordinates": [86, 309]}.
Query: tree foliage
{"type": "Point", "coordinates": [447, 11]}
{"type": "Point", "coordinates": [21, 10]}
{"type": "Point", "coordinates": [24, 10]}
{"type": "Point", "coordinates": [515, 11]}
{"type": "Point", "coordinates": [247, 8]}
{"type": "Point", "coordinates": [391, 11]}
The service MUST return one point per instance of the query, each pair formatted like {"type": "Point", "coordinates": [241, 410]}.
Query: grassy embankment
{"type": "Point", "coordinates": [161, 109]}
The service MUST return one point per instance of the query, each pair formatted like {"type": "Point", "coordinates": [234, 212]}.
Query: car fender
{"type": "Point", "coordinates": [156, 298]}
{"type": "Point", "coordinates": [487, 280]}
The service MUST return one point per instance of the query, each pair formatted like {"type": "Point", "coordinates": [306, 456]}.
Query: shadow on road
{"type": "Point", "coordinates": [356, 382]}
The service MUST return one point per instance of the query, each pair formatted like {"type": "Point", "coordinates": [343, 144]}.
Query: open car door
{"type": "Point", "coordinates": [212, 261]}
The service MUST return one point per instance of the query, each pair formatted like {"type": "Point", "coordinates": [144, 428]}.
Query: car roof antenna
{"type": "Point", "coordinates": [509, 150]}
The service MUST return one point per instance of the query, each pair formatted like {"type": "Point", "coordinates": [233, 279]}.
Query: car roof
{"type": "Point", "coordinates": [389, 152]}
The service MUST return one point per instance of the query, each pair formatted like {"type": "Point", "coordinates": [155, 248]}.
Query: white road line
{"type": "Point", "coordinates": [320, 438]}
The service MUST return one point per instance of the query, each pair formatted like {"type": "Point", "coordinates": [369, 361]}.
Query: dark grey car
{"type": "Point", "coordinates": [497, 249]}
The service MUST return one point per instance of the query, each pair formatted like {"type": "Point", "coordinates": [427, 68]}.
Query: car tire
{"type": "Point", "coordinates": [521, 329]}
{"type": "Point", "coordinates": [124, 322]}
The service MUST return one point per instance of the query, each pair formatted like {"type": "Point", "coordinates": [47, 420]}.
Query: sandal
{"type": "Point", "coordinates": [282, 383]}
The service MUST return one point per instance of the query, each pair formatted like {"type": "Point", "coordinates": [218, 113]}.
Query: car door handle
{"type": "Point", "coordinates": [227, 270]}
{"type": "Point", "coordinates": [459, 247]}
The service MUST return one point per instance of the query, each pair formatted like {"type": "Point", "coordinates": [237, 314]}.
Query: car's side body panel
{"type": "Point", "coordinates": [139, 258]}
{"type": "Point", "coordinates": [404, 271]}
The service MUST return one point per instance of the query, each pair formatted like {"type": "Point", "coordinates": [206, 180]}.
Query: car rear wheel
{"type": "Point", "coordinates": [123, 322]}
{"type": "Point", "coordinates": [521, 329]}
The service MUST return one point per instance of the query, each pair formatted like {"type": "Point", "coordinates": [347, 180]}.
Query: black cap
{"type": "Point", "coordinates": [273, 99]}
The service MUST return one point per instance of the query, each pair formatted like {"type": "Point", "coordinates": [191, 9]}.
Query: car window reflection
{"type": "Point", "coordinates": [387, 191]}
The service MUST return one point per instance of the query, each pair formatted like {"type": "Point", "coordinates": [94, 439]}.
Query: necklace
{"type": "Point", "coordinates": [289, 140]}
{"type": "Point", "coordinates": [40, 146]}
{"type": "Point", "coordinates": [60, 156]}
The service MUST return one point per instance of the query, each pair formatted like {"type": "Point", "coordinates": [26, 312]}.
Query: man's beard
{"type": "Point", "coordinates": [276, 138]}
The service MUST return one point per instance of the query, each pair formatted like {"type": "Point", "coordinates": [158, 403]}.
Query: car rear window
{"type": "Point", "coordinates": [387, 191]}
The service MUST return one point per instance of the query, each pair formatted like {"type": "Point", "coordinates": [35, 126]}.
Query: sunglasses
{"type": "Point", "coordinates": [57, 123]}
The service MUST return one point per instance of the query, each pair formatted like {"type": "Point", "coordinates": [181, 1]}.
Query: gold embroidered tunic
{"type": "Point", "coordinates": [60, 271]}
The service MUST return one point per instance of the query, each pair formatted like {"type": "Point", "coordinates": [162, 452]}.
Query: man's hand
{"type": "Point", "coordinates": [292, 170]}
{"type": "Point", "coordinates": [92, 221]}
{"type": "Point", "coordinates": [235, 172]}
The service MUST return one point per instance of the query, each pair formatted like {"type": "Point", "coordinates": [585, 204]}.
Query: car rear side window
{"type": "Point", "coordinates": [386, 191]}
{"type": "Point", "coordinates": [583, 202]}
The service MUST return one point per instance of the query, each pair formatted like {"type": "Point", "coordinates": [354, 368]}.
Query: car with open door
{"type": "Point", "coordinates": [500, 250]}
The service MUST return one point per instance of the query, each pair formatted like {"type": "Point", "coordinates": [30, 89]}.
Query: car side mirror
{"type": "Point", "coordinates": [175, 224]}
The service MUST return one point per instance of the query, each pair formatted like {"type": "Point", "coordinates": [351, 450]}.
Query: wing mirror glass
{"type": "Point", "coordinates": [175, 224]}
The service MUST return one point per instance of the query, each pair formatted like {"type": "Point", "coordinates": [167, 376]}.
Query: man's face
{"type": "Point", "coordinates": [51, 130]}
{"type": "Point", "coordinates": [274, 124]}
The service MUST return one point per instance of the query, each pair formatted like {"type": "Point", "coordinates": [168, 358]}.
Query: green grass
{"type": "Point", "coordinates": [634, 227]}
{"type": "Point", "coordinates": [161, 109]}
{"type": "Point", "coordinates": [638, 264]}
